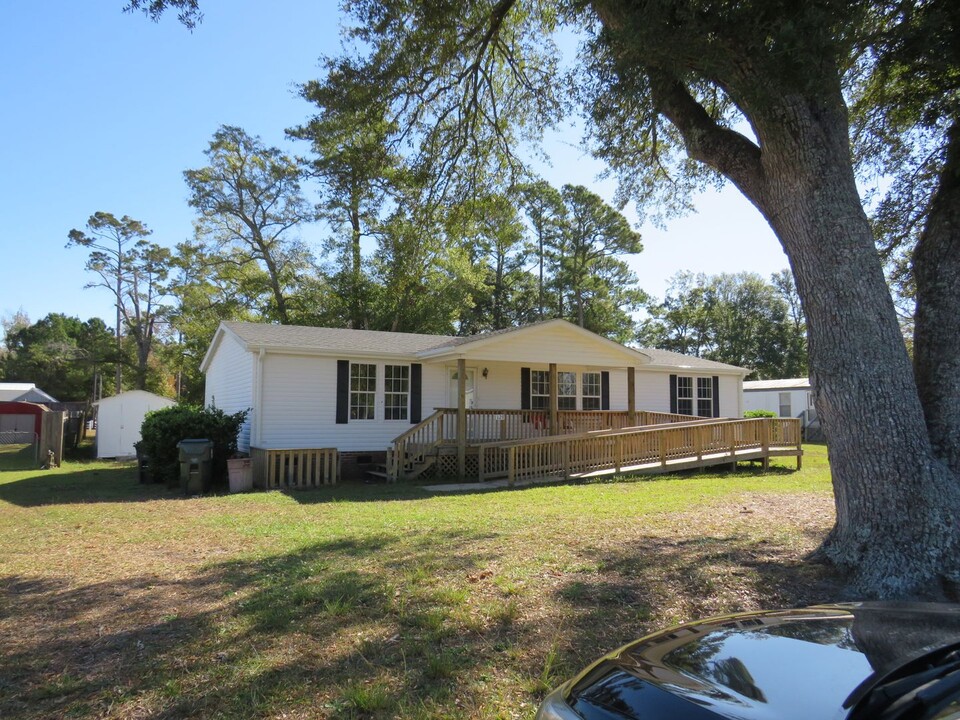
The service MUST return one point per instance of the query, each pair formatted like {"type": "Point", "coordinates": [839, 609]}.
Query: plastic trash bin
{"type": "Point", "coordinates": [196, 466]}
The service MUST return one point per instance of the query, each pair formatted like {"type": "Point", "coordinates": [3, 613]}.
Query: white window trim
{"type": "Point", "coordinates": [375, 392]}
{"type": "Point", "coordinates": [705, 382]}
{"type": "Point", "coordinates": [406, 405]}
{"type": "Point", "coordinates": [583, 385]}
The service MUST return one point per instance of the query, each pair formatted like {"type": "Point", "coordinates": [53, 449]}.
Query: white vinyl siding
{"type": "Point", "coordinates": [230, 383]}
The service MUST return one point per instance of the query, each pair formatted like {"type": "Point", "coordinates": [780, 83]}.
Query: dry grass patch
{"type": "Point", "coordinates": [125, 601]}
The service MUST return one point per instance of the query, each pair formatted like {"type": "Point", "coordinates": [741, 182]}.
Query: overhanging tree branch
{"type": "Point", "coordinates": [725, 150]}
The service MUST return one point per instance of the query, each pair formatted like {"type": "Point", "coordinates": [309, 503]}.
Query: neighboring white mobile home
{"type": "Point", "coordinates": [119, 419]}
{"type": "Point", "coordinates": [357, 390]}
{"type": "Point", "coordinates": [791, 397]}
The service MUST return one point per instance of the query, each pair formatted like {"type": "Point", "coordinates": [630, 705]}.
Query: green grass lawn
{"type": "Point", "coordinates": [122, 600]}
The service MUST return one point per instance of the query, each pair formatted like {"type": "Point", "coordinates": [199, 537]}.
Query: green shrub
{"type": "Point", "coordinates": [759, 413]}
{"type": "Point", "coordinates": [163, 429]}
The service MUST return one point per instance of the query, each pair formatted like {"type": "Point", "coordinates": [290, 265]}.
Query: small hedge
{"type": "Point", "coordinates": [163, 429]}
{"type": "Point", "coordinates": [759, 413]}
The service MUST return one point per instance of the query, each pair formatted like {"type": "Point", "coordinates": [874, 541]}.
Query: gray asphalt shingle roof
{"type": "Point", "coordinates": [335, 339]}
{"type": "Point", "coordinates": [344, 340]}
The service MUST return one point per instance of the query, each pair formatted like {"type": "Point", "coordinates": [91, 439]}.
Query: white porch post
{"type": "Point", "coordinates": [554, 402]}
{"type": "Point", "coordinates": [461, 419]}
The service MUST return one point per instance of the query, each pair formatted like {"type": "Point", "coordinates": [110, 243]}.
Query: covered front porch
{"type": "Point", "coordinates": [457, 432]}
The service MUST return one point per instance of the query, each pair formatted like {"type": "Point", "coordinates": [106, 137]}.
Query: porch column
{"type": "Point", "coordinates": [554, 403]}
{"type": "Point", "coordinates": [461, 419]}
{"type": "Point", "coordinates": [631, 396]}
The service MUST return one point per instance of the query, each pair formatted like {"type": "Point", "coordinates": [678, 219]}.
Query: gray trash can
{"type": "Point", "coordinates": [196, 466]}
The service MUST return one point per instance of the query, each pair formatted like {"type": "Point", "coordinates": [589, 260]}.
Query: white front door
{"type": "Point", "coordinates": [471, 390]}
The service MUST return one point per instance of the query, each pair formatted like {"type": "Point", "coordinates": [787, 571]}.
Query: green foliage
{"type": "Point", "coordinates": [163, 429]}
{"type": "Point", "coordinates": [734, 318]}
{"type": "Point", "coordinates": [759, 414]}
{"type": "Point", "coordinates": [251, 205]}
{"type": "Point", "coordinates": [60, 354]}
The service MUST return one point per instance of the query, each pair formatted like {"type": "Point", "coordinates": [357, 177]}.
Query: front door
{"type": "Point", "coordinates": [471, 390]}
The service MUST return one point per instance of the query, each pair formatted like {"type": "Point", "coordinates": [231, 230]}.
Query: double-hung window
{"type": "Point", "coordinates": [705, 397]}
{"type": "Point", "coordinates": [539, 390]}
{"type": "Point", "coordinates": [396, 392]}
{"type": "Point", "coordinates": [363, 391]}
{"type": "Point", "coordinates": [591, 391]}
{"type": "Point", "coordinates": [685, 395]}
{"type": "Point", "coordinates": [567, 390]}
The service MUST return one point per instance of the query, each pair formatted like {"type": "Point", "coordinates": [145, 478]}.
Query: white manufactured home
{"type": "Point", "coordinates": [788, 398]}
{"type": "Point", "coordinates": [363, 393]}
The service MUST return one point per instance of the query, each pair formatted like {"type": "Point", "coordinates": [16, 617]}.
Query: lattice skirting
{"type": "Point", "coordinates": [446, 467]}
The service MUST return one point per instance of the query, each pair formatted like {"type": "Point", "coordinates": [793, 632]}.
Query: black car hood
{"type": "Point", "coordinates": [803, 664]}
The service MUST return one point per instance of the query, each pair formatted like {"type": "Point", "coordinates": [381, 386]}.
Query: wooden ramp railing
{"type": "Point", "coordinates": [294, 468]}
{"type": "Point", "coordinates": [664, 448]}
{"type": "Point", "coordinates": [409, 452]}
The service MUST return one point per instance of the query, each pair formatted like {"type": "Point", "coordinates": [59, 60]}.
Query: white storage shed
{"type": "Point", "coordinates": [119, 419]}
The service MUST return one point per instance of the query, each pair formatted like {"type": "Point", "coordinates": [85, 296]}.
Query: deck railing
{"type": "Point", "coordinates": [694, 443]}
{"type": "Point", "coordinates": [489, 426]}
{"type": "Point", "coordinates": [294, 468]}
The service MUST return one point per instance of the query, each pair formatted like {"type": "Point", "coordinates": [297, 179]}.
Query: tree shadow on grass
{"type": "Point", "coordinates": [117, 483]}
{"type": "Point", "coordinates": [321, 631]}
{"type": "Point", "coordinates": [660, 582]}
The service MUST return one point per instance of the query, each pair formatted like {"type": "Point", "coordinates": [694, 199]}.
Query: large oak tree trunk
{"type": "Point", "coordinates": [897, 503]}
{"type": "Point", "coordinates": [897, 530]}
{"type": "Point", "coordinates": [936, 270]}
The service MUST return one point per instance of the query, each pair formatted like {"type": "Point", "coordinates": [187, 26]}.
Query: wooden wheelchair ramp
{"type": "Point", "coordinates": [640, 450]}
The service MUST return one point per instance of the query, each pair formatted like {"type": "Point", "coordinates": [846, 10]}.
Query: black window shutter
{"type": "Point", "coordinates": [524, 388]}
{"type": "Point", "coordinates": [416, 385]}
{"type": "Point", "coordinates": [343, 391]}
{"type": "Point", "coordinates": [673, 394]}
{"type": "Point", "coordinates": [604, 390]}
{"type": "Point", "coordinates": [716, 396]}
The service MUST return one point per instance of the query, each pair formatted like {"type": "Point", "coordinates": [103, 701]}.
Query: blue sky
{"type": "Point", "coordinates": [101, 110]}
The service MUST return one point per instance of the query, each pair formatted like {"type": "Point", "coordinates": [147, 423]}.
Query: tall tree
{"type": "Point", "coordinates": [907, 122]}
{"type": "Point", "coordinates": [62, 355]}
{"type": "Point", "coordinates": [358, 172]}
{"type": "Point", "coordinates": [134, 271]}
{"type": "Point", "coordinates": [496, 242]}
{"type": "Point", "coordinates": [735, 318]}
{"type": "Point", "coordinates": [590, 277]}
{"type": "Point", "coordinates": [251, 207]}
{"type": "Point", "coordinates": [422, 273]}
{"type": "Point", "coordinates": [544, 208]}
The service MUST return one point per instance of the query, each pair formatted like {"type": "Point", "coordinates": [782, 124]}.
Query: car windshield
{"type": "Point", "coordinates": [923, 688]}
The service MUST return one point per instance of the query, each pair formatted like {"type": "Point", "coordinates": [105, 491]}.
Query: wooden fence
{"type": "Point", "coordinates": [294, 468]}
{"type": "Point", "coordinates": [657, 449]}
